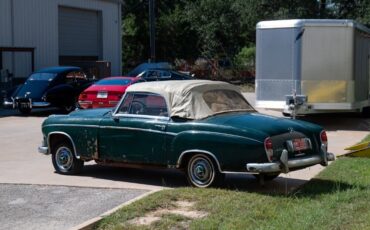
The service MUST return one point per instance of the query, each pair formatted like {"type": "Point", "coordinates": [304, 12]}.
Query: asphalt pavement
{"type": "Point", "coordinates": [56, 207]}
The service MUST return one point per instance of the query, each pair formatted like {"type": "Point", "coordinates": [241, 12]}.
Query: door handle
{"type": "Point", "coordinates": [161, 127]}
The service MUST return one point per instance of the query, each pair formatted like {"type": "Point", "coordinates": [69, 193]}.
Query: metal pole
{"type": "Point", "coordinates": [152, 30]}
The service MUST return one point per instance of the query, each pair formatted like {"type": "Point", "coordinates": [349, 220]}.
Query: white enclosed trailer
{"type": "Point", "coordinates": [313, 66]}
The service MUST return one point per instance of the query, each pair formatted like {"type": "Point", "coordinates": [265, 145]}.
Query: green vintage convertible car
{"type": "Point", "coordinates": [205, 128]}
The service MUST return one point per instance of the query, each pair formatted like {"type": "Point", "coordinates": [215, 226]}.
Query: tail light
{"type": "Point", "coordinates": [83, 96]}
{"type": "Point", "coordinates": [324, 139]}
{"type": "Point", "coordinates": [268, 148]}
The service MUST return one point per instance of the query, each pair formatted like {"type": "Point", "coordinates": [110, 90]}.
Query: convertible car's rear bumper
{"type": "Point", "coordinates": [285, 165]}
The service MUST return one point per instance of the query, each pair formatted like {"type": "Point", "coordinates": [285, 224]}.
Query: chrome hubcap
{"type": "Point", "coordinates": [64, 158]}
{"type": "Point", "coordinates": [201, 172]}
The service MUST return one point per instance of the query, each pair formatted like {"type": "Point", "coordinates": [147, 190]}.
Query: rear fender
{"type": "Point", "coordinates": [226, 149]}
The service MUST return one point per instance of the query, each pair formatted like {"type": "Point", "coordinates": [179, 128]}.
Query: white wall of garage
{"type": "Point", "coordinates": [34, 23]}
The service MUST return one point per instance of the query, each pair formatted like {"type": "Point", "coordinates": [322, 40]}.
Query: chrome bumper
{"type": "Point", "coordinates": [33, 104]}
{"type": "Point", "coordinates": [40, 104]}
{"type": "Point", "coordinates": [8, 104]}
{"type": "Point", "coordinates": [43, 149]}
{"type": "Point", "coordinates": [284, 165]}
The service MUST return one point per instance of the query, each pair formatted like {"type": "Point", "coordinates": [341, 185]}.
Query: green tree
{"type": "Point", "coordinates": [358, 10]}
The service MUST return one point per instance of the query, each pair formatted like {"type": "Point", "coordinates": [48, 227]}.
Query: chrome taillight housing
{"type": "Point", "coordinates": [268, 148]}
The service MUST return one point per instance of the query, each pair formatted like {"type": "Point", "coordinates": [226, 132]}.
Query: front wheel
{"type": "Point", "coordinates": [201, 172]}
{"type": "Point", "coordinates": [64, 160]}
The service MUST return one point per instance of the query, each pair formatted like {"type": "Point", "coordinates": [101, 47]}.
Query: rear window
{"type": "Point", "coordinates": [113, 82]}
{"type": "Point", "coordinates": [225, 100]}
{"type": "Point", "coordinates": [42, 77]}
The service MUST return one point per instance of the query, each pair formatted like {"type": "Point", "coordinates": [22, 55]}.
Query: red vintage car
{"type": "Point", "coordinates": [106, 92]}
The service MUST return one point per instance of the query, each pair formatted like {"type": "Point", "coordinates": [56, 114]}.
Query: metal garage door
{"type": "Point", "coordinates": [79, 34]}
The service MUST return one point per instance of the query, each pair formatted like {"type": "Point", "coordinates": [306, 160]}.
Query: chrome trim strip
{"type": "Point", "coordinates": [232, 135]}
{"type": "Point", "coordinates": [123, 115]}
{"type": "Point", "coordinates": [138, 129]}
{"type": "Point", "coordinates": [112, 127]}
{"type": "Point", "coordinates": [72, 125]}
{"type": "Point", "coordinates": [85, 102]}
{"type": "Point", "coordinates": [69, 137]}
{"type": "Point", "coordinates": [40, 104]}
{"type": "Point", "coordinates": [198, 151]}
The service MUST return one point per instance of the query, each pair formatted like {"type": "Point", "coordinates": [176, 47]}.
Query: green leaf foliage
{"type": "Point", "coordinates": [188, 29]}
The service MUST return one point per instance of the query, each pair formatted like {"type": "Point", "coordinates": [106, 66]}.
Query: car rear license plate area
{"type": "Point", "coordinates": [24, 105]}
{"type": "Point", "coordinates": [102, 94]}
{"type": "Point", "coordinates": [298, 145]}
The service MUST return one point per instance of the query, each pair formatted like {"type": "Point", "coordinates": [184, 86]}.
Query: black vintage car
{"type": "Point", "coordinates": [162, 75]}
{"type": "Point", "coordinates": [158, 71]}
{"type": "Point", "coordinates": [49, 87]}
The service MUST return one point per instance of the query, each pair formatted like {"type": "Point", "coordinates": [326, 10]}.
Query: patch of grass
{"type": "Point", "coordinates": [338, 198]}
{"type": "Point", "coordinates": [366, 138]}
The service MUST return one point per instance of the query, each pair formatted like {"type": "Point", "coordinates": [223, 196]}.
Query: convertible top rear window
{"type": "Point", "coordinates": [223, 100]}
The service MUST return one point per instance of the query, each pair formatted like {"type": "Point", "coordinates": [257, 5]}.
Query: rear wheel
{"type": "Point", "coordinates": [64, 160]}
{"type": "Point", "coordinates": [202, 172]}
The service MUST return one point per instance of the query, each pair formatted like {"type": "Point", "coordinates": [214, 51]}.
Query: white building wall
{"type": "Point", "coordinates": [35, 24]}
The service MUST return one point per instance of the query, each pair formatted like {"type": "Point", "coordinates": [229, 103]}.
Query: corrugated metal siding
{"type": "Point", "coordinates": [327, 53]}
{"type": "Point", "coordinates": [5, 23]}
{"type": "Point", "coordinates": [36, 25]}
{"type": "Point", "coordinates": [79, 32]}
{"type": "Point", "coordinates": [6, 32]}
{"type": "Point", "coordinates": [278, 63]}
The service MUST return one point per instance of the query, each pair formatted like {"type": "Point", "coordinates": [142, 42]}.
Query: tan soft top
{"type": "Point", "coordinates": [184, 97]}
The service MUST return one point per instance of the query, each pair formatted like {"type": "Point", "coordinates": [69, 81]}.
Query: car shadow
{"type": "Point", "coordinates": [339, 121]}
{"type": "Point", "coordinates": [157, 177]}
{"type": "Point", "coordinates": [172, 178]}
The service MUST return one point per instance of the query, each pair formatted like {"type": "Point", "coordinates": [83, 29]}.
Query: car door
{"type": "Point", "coordinates": [136, 132]}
